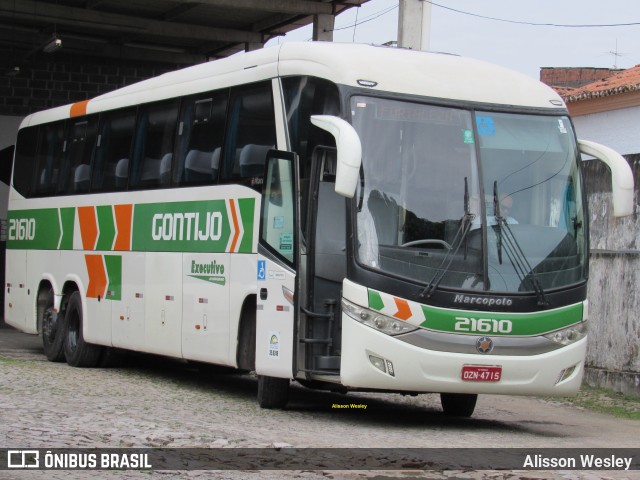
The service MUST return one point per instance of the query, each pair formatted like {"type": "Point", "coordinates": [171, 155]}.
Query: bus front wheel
{"type": "Point", "coordinates": [458, 404]}
{"type": "Point", "coordinates": [273, 392]}
{"type": "Point", "coordinates": [78, 352]}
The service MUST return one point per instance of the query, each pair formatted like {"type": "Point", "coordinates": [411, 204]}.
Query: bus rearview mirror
{"type": "Point", "coordinates": [621, 175]}
{"type": "Point", "coordinates": [349, 152]}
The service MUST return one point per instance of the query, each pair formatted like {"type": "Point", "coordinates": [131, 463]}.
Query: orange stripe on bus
{"type": "Point", "coordinates": [123, 213]}
{"type": "Point", "coordinates": [404, 310]}
{"type": "Point", "coordinates": [79, 108]}
{"type": "Point", "coordinates": [88, 227]}
{"type": "Point", "coordinates": [236, 225]}
{"type": "Point", "coordinates": [97, 276]}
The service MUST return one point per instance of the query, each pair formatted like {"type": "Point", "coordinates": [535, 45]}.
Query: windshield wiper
{"type": "Point", "coordinates": [458, 239]}
{"type": "Point", "coordinates": [514, 251]}
{"type": "Point", "coordinates": [499, 220]}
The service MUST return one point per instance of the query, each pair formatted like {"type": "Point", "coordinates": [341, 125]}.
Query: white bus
{"type": "Point", "coordinates": [349, 217]}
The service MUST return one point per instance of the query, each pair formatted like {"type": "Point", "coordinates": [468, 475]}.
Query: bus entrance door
{"type": "Point", "coordinates": [324, 268]}
{"type": "Point", "coordinates": [276, 271]}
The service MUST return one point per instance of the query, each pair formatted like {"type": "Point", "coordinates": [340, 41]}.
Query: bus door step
{"type": "Point", "coordinates": [326, 362]}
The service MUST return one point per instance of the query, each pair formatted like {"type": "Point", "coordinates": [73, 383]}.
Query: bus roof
{"type": "Point", "coordinates": [433, 75]}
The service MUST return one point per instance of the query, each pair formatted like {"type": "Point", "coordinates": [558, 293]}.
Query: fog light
{"type": "Point", "coordinates": [378, 363]}
{"type": "Point", "coordinates": [390, 369]}
{"type": "Point", "coordinates": [566, 373]}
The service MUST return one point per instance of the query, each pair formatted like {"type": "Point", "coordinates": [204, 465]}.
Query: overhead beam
{"type": "Point", "coordinates": [21, 43]}
{"type": "Point", "coordinates": [179, 10]}
{"type": "Point", "coordinates": [63, 15]}
{"type": "Point", "coordinates": [293, 7]}
{"type": "Point", "coordinates": [93, 3]}
{"type": "Point", "coordinates": [273, 21]}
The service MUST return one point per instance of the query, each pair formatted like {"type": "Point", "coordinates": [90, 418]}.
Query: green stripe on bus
{"type": "Point", "coordinates": [247, 210]}
{"type": "Point", "coordinates": [194, 226]}
{"type": "Point", "coordinates": [106, 226]}
{"type": "Point", "coordinates": [375, 300]}
{"type": "Point", "coordinates": [181, 227]}
{"type": "Point", "coordinates": [67, 218]}
{"type": "Point", "coordinates": [33, 229]}
{"type": "Point", "coordinates": [521, 324]}
{"type": "Point", "coordinates": [113, 264]}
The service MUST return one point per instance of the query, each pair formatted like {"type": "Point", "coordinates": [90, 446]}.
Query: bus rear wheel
{"type": "Point", "coordinates": [52, 327]}
{"type": "Point", "coordinates": [78, 352]}
{"type": "Point", "coordinates": [458, 404]}
{"type": "Point", "coordinates": [273, 392]}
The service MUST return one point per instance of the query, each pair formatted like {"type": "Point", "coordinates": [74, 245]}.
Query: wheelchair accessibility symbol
{"type": "Point", "coordinates": [262, 269]}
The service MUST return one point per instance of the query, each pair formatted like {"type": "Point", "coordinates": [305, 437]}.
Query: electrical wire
{"type": "Point", "coordinates": [371, 17]}
{"type": "Point", "coordinates": [563, 25]}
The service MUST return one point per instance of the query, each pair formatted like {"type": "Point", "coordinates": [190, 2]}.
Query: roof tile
{"type": "Point", "coordinates": [622, 82]}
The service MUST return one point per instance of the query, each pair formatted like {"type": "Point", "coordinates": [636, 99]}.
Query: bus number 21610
{"type": "Point", "coordinates": [483, 325]}
{"type": "Point", "coordinates": [22, 228]}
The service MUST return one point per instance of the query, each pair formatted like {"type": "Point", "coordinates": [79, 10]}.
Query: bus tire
{"type": "Point", "coordinates": [51, 327]}
{"type": "Point", "coordinates": [246, 356]}
{"type": "Point", "coordinates": [458, 404]}
{"type": "Point", "coordinates": [272, 392]}
{"type": "Point", "coordinates": [78, 352]}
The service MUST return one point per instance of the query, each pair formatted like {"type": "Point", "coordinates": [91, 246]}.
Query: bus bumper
{"type": "Point", "coordinates": [410, 368]}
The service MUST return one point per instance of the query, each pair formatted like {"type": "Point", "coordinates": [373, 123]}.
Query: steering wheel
{"type": "Point", "coordinates": [413, 243]}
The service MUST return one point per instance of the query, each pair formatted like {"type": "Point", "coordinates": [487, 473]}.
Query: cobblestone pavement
{"type": "Point", "coordinates": [155, 402]}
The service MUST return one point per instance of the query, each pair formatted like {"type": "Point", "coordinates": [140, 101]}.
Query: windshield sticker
{"type": "Point", "coordinates": [486, 126]}
{"type": "Point", "coordinates": [286, 242]}
{"type": "Point", "coordinates": [561, 126]}
{"type": "Point", "coordinates": [467, 136]}
{"type": "Point", "coordinates": [278, 222]}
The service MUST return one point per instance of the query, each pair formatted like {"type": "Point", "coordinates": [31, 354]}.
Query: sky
{"type": "Point", "coordinates": [525, 48]}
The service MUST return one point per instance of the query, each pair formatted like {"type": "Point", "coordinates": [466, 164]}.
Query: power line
{"type": "Point", "coordinates": [373, 16]}
{"type": "Point", "coordinates": [534, 23]}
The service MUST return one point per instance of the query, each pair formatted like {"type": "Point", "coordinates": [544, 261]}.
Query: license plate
{"type": "Point", "coordinates": [481, 373]}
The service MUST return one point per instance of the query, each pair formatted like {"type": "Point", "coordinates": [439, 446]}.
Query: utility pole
{"type": "Point", "coordinates": [414, 24]}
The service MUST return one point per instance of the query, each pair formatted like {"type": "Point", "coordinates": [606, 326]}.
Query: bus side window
{"type": "Point", "coordinates": [251, 133]}
{"type": "Point", "coordinates": [76, 172]}
{"type": "Point", "coordinates": [113, 148]}
{"type": "Point", "coordinates": [49, 158]}
{"type": "Point", "coordinates": [25, 162]}
{"type": "Point", "coordinates": [200, 137]}
{"type": "Point", "coordinates": [153, 145]}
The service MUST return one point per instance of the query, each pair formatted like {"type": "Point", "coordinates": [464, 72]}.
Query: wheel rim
{"type": "Point", "coordinates": [73, 331]}
{"type": "Point", "coordinates": [50, 325]}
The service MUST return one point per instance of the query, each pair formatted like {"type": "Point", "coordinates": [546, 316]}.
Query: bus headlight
{"type": "Point", "coordinates": [377, 320]}
{"type": "Point", "coordinates": [569, 335]}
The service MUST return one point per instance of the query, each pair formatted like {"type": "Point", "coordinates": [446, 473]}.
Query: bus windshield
{"type": "Point", "coordinates": [469, 200]}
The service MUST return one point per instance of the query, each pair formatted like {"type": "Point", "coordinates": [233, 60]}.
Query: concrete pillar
{"type": "Point", "coordinates": [414, 24]}
{"type": "Point", "coordinates": [323, 25]}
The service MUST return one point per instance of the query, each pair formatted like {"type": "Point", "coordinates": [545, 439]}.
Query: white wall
{"type": "Point", "coordinates": [619, 129]}
{"type": "Point", "coordinates": [613, 352]}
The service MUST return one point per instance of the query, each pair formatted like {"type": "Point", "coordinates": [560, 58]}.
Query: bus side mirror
{"type": "Point", "coordinates": [349, 152]}
{"type": "Point", "coordinates": [621, 175]}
